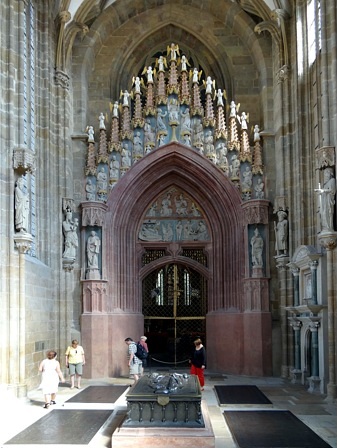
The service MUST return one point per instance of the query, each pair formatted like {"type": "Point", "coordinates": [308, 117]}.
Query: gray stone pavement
{"type": "Point", "coordinates": [312, 409]}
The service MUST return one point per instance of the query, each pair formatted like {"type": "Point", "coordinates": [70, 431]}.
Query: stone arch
{"type": "Point", "coordinates": [219, 198]}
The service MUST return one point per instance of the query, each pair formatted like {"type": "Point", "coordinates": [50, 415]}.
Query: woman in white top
{"type": "Point", "coordinates": [51, 374]}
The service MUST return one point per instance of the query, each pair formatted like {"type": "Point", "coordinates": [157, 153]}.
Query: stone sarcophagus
{"type": "Point", "coordinates": [172, 400]}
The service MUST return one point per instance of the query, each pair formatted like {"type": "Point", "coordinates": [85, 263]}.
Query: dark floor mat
{"type": "Point", "coordinates": [240, 395]}
{"type": "Point", "coordinates": [61, 426]}
{"type": "Point", "coordinates": [98, 394]}
{"type": "Point", "coordinates": [271, 429]}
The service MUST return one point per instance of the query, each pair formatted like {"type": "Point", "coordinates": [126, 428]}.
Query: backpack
{"type": "Point", "coordinates": [141, 353]}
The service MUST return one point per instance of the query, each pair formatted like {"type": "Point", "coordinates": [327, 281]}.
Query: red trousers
{"type": "Point", "coordinates": [200, 374]}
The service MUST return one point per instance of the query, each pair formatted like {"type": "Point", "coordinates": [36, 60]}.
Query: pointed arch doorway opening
{"type": "Point", "coordinates": [174, 308]}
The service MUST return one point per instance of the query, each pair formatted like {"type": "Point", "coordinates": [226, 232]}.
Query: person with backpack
{"type": "Point", "coordinates": [135, 364]}
{"type": "Point", "coordinates": [143, 343]}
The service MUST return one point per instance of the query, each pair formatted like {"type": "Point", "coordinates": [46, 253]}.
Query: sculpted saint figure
{"type": "Point", "coordinates": [93, 248]}
{"type": "Point", "coordinates": [220, 98]}
{"type": "Point", "coordinates": [257, 248]}
{"type": "Point", "coordinates": [70, 236]}
{"type": "Point", "coordinates": [185, 121]}
{"type": "Point", "coordinates": [259, 189]}
{"type": "Point", "coordinates": [115, 109]}
{"type": "Point", "coordinates": [114, 168]}
{"type": "Point", "coordinates": [91, 136]}
{"type": "Point", "coordinates": [21, 206]}
{"type": "Point", "coordinates": [247, 179]}
{"type": "Point", "coordinates": [281, 230]}
{"type": "Point", "coordinates": [90, 190]}
{"type": "Point", "coordinates": [327, 199]}
{"type": "Point", "coordinates": [102, 180]}
{"type": "Point", "coordinates": [101, 121]}
{"type": "Point", "coordinates": [161, 126]}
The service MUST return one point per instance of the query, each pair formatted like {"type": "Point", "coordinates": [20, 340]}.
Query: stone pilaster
{"type": "Point", "coordinates": [329, 241]}
{"type": "Point", "coordinates": [281, 265]}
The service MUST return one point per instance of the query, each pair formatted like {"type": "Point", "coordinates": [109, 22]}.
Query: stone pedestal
{"type": "Point", "coordinates": [160, 415]}
{"type": "Point", "coordinates": [166, 401]}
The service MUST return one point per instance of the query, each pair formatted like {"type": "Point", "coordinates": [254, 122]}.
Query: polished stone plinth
{"type": "Point", "coordinates": [171, 400]}
{"type": "Point", "coordinates": [165, 411]}
{"type": "Point", "coordinates": [166, 437]}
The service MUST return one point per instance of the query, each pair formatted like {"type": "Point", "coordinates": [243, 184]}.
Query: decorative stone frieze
{"type": "Point", "coordinates": [94, 296]}
{"type": "Point", "coordinates": [255, 211]}
{"type": "Point", "coordinates": [93, 213]}
{"type": "Point", "coordinates": [24, 159]}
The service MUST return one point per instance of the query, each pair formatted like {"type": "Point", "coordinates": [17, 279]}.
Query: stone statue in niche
{"type": "Point", "coordinates": [114, 167]}
{"type": "Point", "coordinates": [247, 179]}
{"type": "Point", "coordinates": [327, 199]}
{"type": "Point", "coordinates": [148, 132]}
{"type": "Point", "coordinates": [93, 249]}
{"type": "Point", "coordinates": [90, 190]}
{"type": "Point", "coordinates": [138, 144]}
{"type": "Point", "coordinates": [185, 121]}
{"type": "Point", "coordinates": [161, 140]}
{"type": "Point", "coordinates": [173, 108]}
{"type": "Point", "coordinates": [259, 189]}
{"type": "Point", "coordinates": [21, 203]}
{"type": "Point", "coordinates": [257, 244]}
{"type": "Point", "coordinates": [102, 180]}
{"type": "Point", "coordinates": [235, 167]}
{"type": "Point", "coordinates": [281, 233]}
{"type": "Point", "coordinates": [70, 236]}
{"type": "Point", "coordinates": [126, 159]}
{"type": "Point", "coordinates": [161, 126]}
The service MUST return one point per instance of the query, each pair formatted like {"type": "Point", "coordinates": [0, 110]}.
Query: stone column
{"type": "Point", "coordinates": [313, 268]}
{"type": "Point", "coordinates": [314, 379]}
{"type": "Point", "coordinates": [296, 372]}
{"type": "Point", "coordinates": [328, 240]}
{"type": "Point", "coordinates": [281, 265]}
{"type": "Point", "coordinates": [296, 282]}
{"type": "Point", "coordinates": [94, 318]}
{"type": "Point", "coordinates": [23, 243]}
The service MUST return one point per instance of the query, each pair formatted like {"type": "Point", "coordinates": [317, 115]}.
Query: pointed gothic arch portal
{"type": "Point", "coordinates": [175, 217]}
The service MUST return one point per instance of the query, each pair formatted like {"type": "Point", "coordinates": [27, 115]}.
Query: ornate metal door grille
{"type": "Point", "coordinates": [174, 308]}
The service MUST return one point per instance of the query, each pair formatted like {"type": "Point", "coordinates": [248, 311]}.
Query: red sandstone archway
{"type": "Point", "coordinates": [230, 331]}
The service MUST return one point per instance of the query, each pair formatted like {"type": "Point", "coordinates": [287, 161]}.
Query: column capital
{"type": "Point", "coordinates": [295, 270]}
{"type": "Point", "coordinates": [328, 239]}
